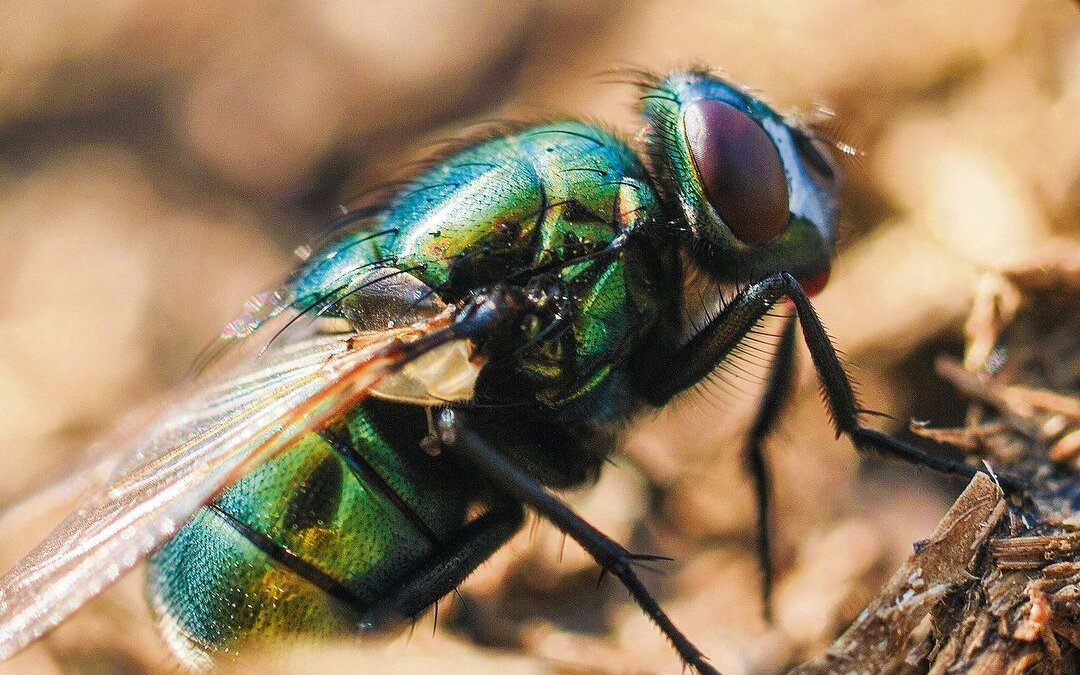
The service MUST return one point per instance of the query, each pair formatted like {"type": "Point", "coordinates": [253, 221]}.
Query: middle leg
{"type": "Point", "coordinates": [470, 447]}
{"type": "Point", "coordinates": [778, 385]}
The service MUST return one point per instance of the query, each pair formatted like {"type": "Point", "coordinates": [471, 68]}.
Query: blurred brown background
{"type": "Point", "coordinates": [160, 159]}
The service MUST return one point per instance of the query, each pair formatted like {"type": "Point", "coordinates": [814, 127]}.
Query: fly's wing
{"type": "Point", "coordinates": [193, 450]}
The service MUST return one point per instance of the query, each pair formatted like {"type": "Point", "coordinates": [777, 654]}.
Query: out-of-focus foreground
{"type": "Point", "coordinates": [161, 160]}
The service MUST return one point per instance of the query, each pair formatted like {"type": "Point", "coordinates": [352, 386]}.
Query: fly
{"type": "Point", "coordinates": [364, 435]}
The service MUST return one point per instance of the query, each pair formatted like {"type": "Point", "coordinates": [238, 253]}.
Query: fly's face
{"type": "Point", "coordinates": [758, 193]}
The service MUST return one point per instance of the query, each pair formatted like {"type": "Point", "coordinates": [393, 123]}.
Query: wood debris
{"type": "Point", "coordinates": [996, 587]}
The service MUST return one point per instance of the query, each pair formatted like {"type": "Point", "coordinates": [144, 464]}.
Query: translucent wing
{"type": "Point", "coordinates": [190, 452]}
{"type": "Point", "coordinates": [96, 464]}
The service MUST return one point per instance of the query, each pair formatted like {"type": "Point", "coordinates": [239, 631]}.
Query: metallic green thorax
{"type": "Point", "coordinates": [523, 208]}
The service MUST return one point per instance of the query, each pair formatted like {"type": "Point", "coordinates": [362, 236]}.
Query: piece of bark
{"type": "Point", "coordinates": [1001, 577]}
{"type": "Point", "coordinates": [878, 640]}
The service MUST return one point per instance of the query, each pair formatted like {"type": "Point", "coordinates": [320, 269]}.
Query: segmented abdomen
{"type": "Point", "coordinates": [305, 542]}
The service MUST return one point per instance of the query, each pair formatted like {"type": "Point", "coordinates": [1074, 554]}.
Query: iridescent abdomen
{"type": "Point", "coordinates": [366, 526]}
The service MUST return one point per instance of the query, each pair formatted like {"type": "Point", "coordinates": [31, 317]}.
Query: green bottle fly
{"type": "Point", "coordinates": [594, 244]}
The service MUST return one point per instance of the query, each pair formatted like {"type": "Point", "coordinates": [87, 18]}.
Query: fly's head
{"type": "Point", "coordinates": [758, 192]}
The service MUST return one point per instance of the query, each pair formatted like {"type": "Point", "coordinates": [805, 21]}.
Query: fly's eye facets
{"type": "Point", "coordinates": [740, 169]}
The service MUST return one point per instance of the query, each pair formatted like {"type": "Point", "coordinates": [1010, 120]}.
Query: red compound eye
{"type": "Point", "coordinates": [740, 169]}
{"type": "Point", "coordinates": [815, 283]}
{"type": "Point", "coordinates": [812, 284]}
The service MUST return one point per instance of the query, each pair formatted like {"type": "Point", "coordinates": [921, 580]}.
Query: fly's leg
{"type": "Point", "coordinates": [714, 342]}
{"type": "Point", "coordinates": [778, 386]}
{"type": "Point", "coordinates": [470, 448]}
{"type": "Point", "coordinates": [452, 561]}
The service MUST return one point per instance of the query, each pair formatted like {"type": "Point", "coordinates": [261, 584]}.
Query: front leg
{"type": "Point", "coordinates": [471, 448]}
{"type": "Point", "coordinates": [708, 348]}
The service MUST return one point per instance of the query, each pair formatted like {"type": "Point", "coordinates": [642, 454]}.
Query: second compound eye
{"type": "Point", "coordinates": [739, 168]}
